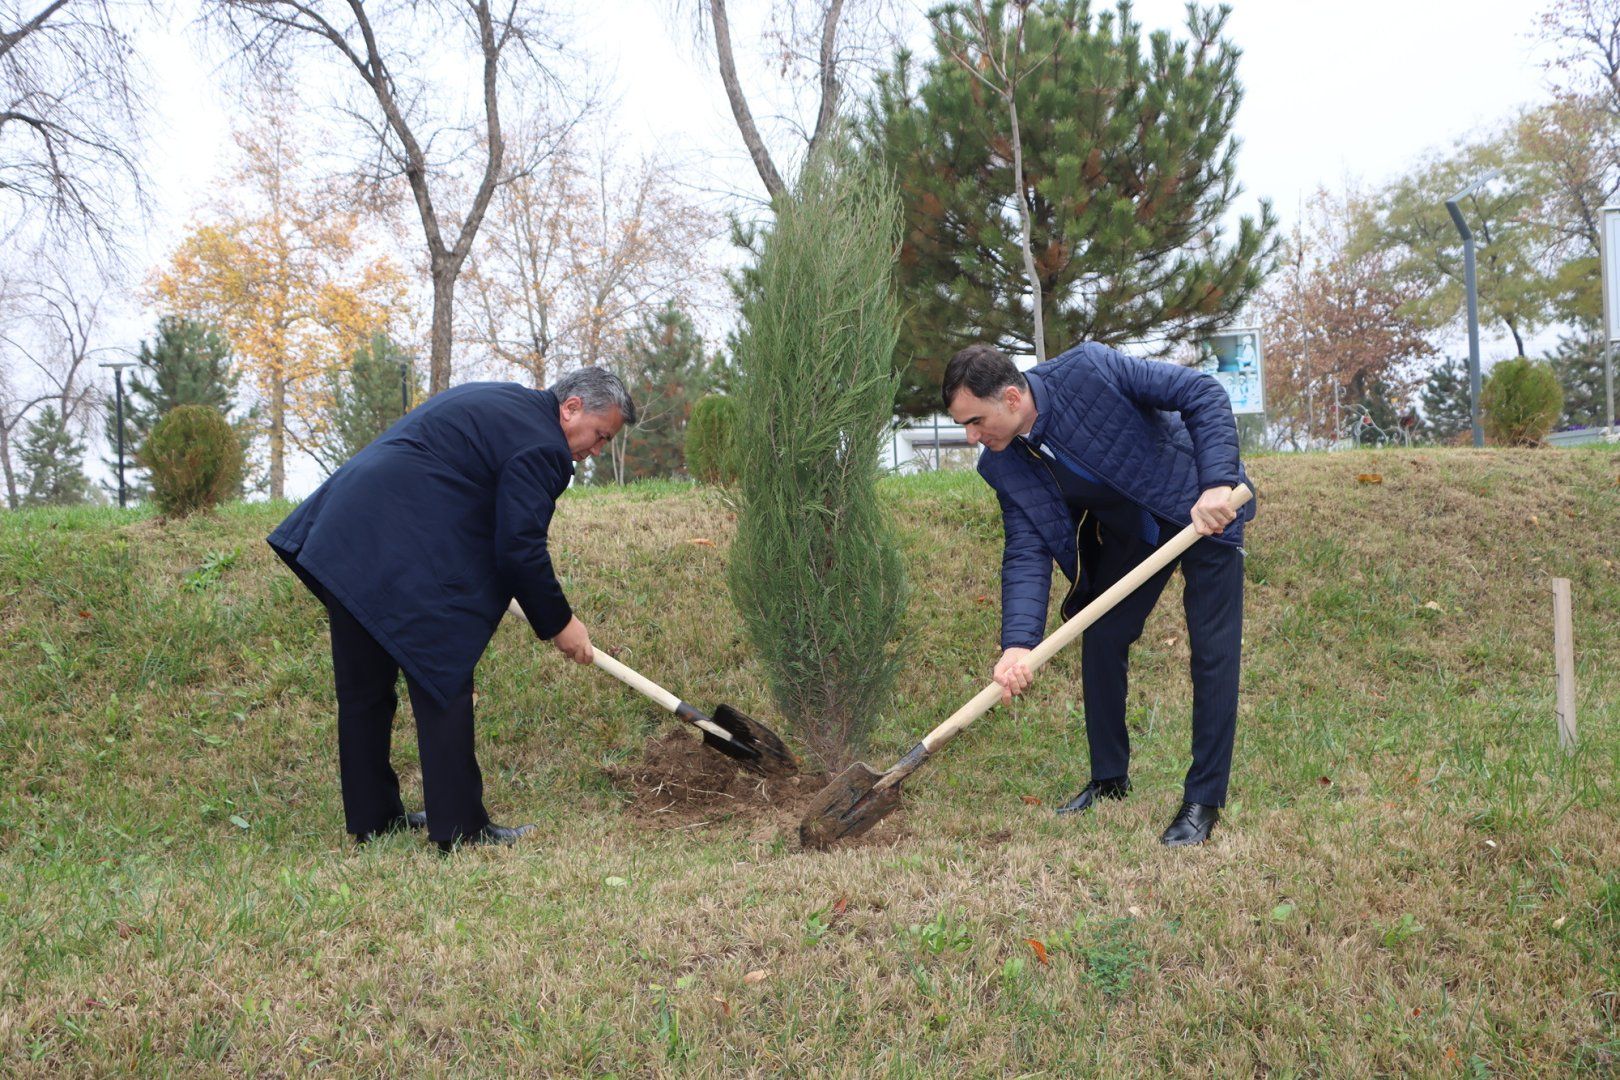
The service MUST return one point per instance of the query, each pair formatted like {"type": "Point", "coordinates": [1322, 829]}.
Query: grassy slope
{"type": "Point", "coordinates": [1411, 878]}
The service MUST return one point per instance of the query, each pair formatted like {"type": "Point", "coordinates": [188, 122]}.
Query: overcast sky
{"type": "Point", "coordinates": [1334, 91]}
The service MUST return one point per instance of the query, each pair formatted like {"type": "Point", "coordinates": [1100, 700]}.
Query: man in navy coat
{"type": "Point", "coordinates": [1096, 458]}
{"type": "Point", "coordinates": [415, 546]}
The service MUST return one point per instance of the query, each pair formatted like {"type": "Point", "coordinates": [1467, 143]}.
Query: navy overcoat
{"type": "Point", "coordinates": [1159, 434]}
{"type": "Point", "coordinates": [426, 534]}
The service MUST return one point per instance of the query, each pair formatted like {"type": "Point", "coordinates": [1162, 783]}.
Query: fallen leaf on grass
{"type": "Point", "coordinates": [1324, 781]}
{"type": "Point", "coordinates": [1134, 912]}
{"type": "Point", "coordinates": [239, 821]}
{"type": "Point", "coordinates": [758, 975]}
{"type": "Point", "coordinates": [1430, 605]}
{"type": "Point", "coordinates": [1281, 912]}
{"type": "Point", "coordinates": [1031, 800]}
{"type": "Point", "coordinates": [1039, 949]}
{"type": "Point", "coordinates": [841, 906]}
{"type": "Point", "coordinates": [615, 882]}
{"type": "Point", "coordinates": [725, 1006]}
{"type": "Point", "coordinates": [1369, 478]}
{"type": "Point", "coordinates": [702, 541]}
{"type": "Point", "coordinates": [84, 614]}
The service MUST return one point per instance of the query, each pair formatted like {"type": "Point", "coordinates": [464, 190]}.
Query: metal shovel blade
{"type": "Point", "coordinates": [848, 806]}
{"type": "Point", "coordinates": [755, 746]}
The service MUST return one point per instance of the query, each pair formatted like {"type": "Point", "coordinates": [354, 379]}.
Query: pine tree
{"type": "Point", "coordinates": [1128, 174]}
{"type": "Point", "coordinates": [186, 363]}
{"type": "Point", "coordinates": [1578, 363]}
{"type": "Point", "coordinates": [667, 372]}
{"type": "Point", "coordinates": [368, 396]}
{"type": "Point", "coordinates": [53, 461]}
{"type": "Point", "coordinates": [1447, 410]}
{"type": "Point", "coordinates": [814, 571]}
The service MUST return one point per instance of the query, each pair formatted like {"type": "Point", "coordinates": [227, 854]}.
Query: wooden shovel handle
{"type": "Point", "coordinates": [986, 699]}
{"type": "Point", "coordinates": [637, 681]}
{"type": "Point", "coordinates": [625, 674]}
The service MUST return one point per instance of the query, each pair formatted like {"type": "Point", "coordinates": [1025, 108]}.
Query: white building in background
{"type": "Point", "coordinates": [935, 442]}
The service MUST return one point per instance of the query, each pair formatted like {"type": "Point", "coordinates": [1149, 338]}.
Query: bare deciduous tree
{"type": "Point", "coordinates": [69, 136]}
{"type": "Point", "coordinates": [576, 256]}
{"type": "Point", "coordinates": [393, 46]}
{"type": "Point", "coordinates": [48, 333]}
{"type": "Point", "coordinates": [817, 34]}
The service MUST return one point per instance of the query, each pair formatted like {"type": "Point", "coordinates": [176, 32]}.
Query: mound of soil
{"type": "Point", "coordinates": [681, 784]}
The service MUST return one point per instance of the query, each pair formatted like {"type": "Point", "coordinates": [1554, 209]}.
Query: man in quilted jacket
{"type": "Point", "coordinates": [1097, 457]}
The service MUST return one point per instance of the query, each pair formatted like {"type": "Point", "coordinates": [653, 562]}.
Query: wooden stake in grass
{"type": "Point", "coordinates": [1564, 657]}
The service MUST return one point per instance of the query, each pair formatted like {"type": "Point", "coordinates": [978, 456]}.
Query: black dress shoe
{"type": "Point", "coordinates": [489, 834]}
{"type": "Point", "coordinates": [1192, 825]}
{"type": "Point", "coordinates": [417, 820]}
{"type": "Point", "coordinates": [1117, 788]}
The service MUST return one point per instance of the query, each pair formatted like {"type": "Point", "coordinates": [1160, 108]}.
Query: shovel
{"type": "Point", "coordinates": [735, 734]}
{"type": "Point", "coordinates": [859, 797]}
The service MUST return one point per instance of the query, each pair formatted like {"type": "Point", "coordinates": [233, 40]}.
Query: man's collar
{"type": "Point", "coordinates": [1037, 393]}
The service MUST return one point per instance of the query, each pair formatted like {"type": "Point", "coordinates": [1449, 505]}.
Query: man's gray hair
{"type": "Point", "coordinates": [599, 389]}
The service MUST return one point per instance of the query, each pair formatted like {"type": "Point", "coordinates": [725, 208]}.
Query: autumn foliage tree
{"type": "Point", "coordinates": [1339, 332]}
{"type": "Point", "coordinates": [449, 152]}
{"type": "Point", "coordinates": [280, 268]}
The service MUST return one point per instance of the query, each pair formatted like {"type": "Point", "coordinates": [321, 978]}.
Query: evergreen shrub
{"type": "Point", "coordinates": [1520, 402]}
{"type": "Point", "coordinates": [815, 571]}
{"type": "Point", "coordinates": [711, 439]}
{"type": "Point", "coordinates": [193, 459]}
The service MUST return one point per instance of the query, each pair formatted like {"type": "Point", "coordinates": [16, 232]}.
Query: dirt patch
{"type": "Point", "coordinates": [681, 784]}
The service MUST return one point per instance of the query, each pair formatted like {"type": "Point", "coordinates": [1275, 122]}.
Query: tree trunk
{"type": "Point", "coordinates": [1036, 304]}
{"type": "Point", "coordinates": [739, 104]}
{"type": "Point", "coordinates": [444, 296]}
{"type": "Point", "coordinates": [278, 436]}
{"type": "Point", "coordinates": [5, 460]}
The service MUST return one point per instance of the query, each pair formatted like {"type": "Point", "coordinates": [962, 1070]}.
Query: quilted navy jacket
{"type": "Point", "coordinates": [425, 535]}
{"type": "Point", "coordinates": [1157, 433]}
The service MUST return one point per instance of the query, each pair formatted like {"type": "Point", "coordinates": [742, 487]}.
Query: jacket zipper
{"type": "Point", "coordinates": [1079, 525]}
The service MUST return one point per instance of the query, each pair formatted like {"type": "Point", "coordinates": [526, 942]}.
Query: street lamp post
{"type": "Point", "coordinates": [1473, 299]}
{"type": "Point", "coordinates": [118, 382]}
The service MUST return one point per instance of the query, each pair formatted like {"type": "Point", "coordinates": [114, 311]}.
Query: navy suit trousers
{"type": "Point", "coordinates": [366, 677]}
{"type": "Point", "coordinates": [1213, 601]}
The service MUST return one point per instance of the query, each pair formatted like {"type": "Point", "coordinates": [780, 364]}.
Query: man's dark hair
{"type": "Point", "coordinates": [984, 370]}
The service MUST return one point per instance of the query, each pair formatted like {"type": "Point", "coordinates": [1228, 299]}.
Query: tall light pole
{"type": "Point", "coordinates": [118, 382]}
{"type": "Point", "coordinates": [1473, 299]}
{"type": "Point", "coordinates": [405, 385]}
{"type": "Point", "coordinates": [1609, 264]}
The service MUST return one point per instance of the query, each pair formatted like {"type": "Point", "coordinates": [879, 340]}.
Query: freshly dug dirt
{"type": "Point", "coordinates": [681, 784]}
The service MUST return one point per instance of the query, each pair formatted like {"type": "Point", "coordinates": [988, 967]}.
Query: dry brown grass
{"type": "Point", "coordinates": [1411, 879]}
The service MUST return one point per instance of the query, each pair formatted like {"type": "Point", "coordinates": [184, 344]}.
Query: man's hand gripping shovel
{"type": "Point", "coordinates": [729, 731]}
